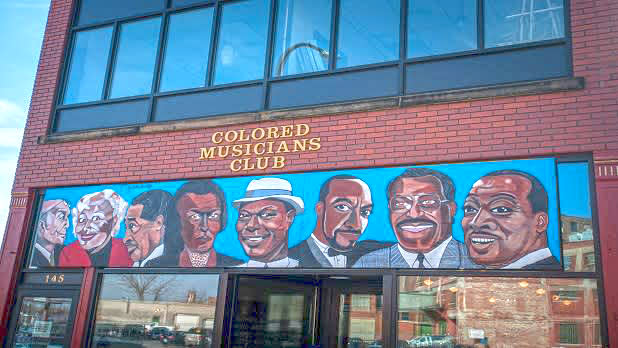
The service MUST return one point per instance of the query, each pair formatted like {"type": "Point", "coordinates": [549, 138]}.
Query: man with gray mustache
{"type": "Point", "coordinates": [422, 207]}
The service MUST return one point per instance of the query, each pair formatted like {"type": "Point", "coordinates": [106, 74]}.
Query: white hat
{"type": "Point", "coordinates": [271, 188]}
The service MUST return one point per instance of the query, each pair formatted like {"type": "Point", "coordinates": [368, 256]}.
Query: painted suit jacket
{"type": "Point", "coordinates": [73, 255]}
{"type": "Point", "coordinates": [455, 256]}
{"type": "Point", "coordinates": [309, 254]}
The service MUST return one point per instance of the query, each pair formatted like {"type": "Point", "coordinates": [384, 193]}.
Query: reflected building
{"type": "Point", "coordinates": [491, 312]}
{"type": "Point", "coordinates": [577, 244]}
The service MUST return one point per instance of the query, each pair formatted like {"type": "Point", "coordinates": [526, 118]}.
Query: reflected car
{"type": "Point", "coordinates": [432, 342]}
{"type": "Point", "coordinates": [198, 337]}
{"type": "Point", "coordinates": [173, 337]}
{"type": "Point", "coordinates": [157, 331]}
{"type": "Point", "coordinates": [379, 344]}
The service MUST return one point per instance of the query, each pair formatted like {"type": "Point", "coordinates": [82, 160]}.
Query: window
{"type": "Point", "coordinates": [367, 33]}
{"type": "Point", "coordinates": [241, 47]}
{"type": "Point", "coordinates": [505, 312]}
{"type": "Point", "coordinates": [569, 333]}
{"type": "Point", "coordinates": [86, 76]}
{"type": "Point", "coordinates": [135, 58]}
{"type": "Point", "coordinates": [510, 22]}
{"type": "Point", "coordinates": [133, 309]}
{"type": "Point", "coordinates": [575, 212]}
{"type": "Point", "coordinates": [188, 46]}
{"type": "Point", "coordinates": [441, 26]}
{"type": "Point", "coordinates": [302, 40]}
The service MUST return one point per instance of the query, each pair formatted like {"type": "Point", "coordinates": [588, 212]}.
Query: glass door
{"type": "Point", "coordinates": [43, 318]}
{"type": "Point", "coordinates": [307, 312]}
{"type": "Point", "coordinates": [273, 312]}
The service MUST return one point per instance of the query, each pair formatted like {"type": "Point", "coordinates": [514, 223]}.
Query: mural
{"type": "Point", "coordinates": [482, 215]}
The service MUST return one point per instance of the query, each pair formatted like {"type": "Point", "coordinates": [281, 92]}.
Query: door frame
{"type": "Point", "coordinates": [326, 285]}
{"type": "Point", "coordinates": [69, 292]}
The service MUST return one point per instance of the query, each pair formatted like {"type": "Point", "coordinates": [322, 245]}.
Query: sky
{"type": "Point", "coordinates": [22, 24]}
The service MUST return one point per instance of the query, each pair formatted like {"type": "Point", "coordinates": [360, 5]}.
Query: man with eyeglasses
{"type": "Point", "coordinates": [421, 211]}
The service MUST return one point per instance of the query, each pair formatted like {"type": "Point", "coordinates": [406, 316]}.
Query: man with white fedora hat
{"type": "Point", "coordinates": [265, 215]}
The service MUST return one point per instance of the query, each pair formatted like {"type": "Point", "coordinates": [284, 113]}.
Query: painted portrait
{"type": "Point", "coordinates": [96, 219]}
{"type": "Point", "coordinates": [265, 215]}
{"type": "Point", "coordinates": [477, 215]}
{"type": "Point", "coordinates": [505, 222]}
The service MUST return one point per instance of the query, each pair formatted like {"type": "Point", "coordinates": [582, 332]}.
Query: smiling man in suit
{"type": "Point", "coordinates": [421, 206]}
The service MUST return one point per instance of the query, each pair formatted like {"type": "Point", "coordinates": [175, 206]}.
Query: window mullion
{"type": "Point", "coordinates": [110, 61]}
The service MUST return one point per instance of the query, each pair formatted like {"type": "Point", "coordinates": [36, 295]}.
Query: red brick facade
{"type": "Point", "coordinates": [582, 121]}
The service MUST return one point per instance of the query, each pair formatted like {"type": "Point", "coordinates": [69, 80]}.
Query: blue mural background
{"type": "Point", "coordinates": [307, 186]}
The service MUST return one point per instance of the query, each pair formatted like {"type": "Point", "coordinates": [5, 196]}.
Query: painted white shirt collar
{"type": "Point", "coordinates": [338, 261]}
{"type": "Point", "coordinates": [45, 253]}
{"type": "Point", "coordinates": [432, 258]}
{"type": "Point", "coordinates": [529, 259]}
{"type": "Point", "coordinates": [158, 251]}
{"type": "Point", "coordinates": [283, 263]}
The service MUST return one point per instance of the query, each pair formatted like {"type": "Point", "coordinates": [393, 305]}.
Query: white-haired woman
{"type": "Point", "coordinates": [96, 221]}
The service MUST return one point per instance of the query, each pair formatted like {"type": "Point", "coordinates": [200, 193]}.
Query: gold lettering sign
{"type": "Point", "coordinates": [260, 148]}
{"type": "Point", "coordinates": [54, 278]}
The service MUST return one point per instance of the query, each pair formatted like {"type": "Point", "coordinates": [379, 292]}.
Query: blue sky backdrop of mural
{"type": "Point", "coordinates": [307, 186]}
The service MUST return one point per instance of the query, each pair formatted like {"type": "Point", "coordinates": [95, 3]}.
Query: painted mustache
{"type": "Point", "coordinates": [415, 225]}
{"type": "Point", "coordinates": [348, 230]}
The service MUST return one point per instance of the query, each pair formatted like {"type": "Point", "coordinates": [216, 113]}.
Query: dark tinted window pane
{"type": "Point", "coordinates": [179, 3]}
{"type": "Point", "coordinates": [134, 310]}
{"type": "Point", "coordinates": [509, 22]}
{"type": "Point", "coordinates": [186, 54]}
{"type": "Point", "coordinates": [302, 36]}
{"type": "Point", "coordinates": [42, 322]}
{"type": "Point", "coordinates": [441, 26]}
{"type": "Point", "coordinates": [93, 11]}
{"type": "Point", "coordinates": [576, 217]}
{"type": "Point", "coordinates": [88, 64]}
{"type": "Point", "coordinates": [241, 48]}
{"type": "Point", "coordinates": [135, 58]}
{"type": "Point", "coordinates": [368, 32]}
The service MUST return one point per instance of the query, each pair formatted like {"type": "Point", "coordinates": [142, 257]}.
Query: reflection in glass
{"type": "Point", "coordinates": [441, 26]}
{"type": "Point", "coordinates": [135, 58]}
{"type": "Point", "coordinates": [86, 75]}
{"type": "Point", "coordinates": [136, 309]}
{"type": "Point", "coordinates": [510, 22]}
{"type": "Point", "coordinates": [302, 36]}
{"type": "Point", "coordinates": [367, 33]}
{"type": "Point", "coordinates": [186, 54]}
{"type": "Point", "coordinates": [270, 314]}
{"type": "Point", "coordinates": [42, 322]}
{"type": "Point", "coordinates": [497, 312]}
{"type": "Point", "coordinates": [360, 320]}
{"type": "Point", "coordinates": [576, 217]}
{"type": "Point", "coordinates": [241, 48]}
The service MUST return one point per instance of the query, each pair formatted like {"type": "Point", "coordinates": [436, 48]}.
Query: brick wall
{"type": "Point", "coordinates": [565, 122]}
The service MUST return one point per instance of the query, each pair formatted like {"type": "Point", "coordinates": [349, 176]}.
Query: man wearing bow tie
{"type": "Point", "coordinates": [342, 215]}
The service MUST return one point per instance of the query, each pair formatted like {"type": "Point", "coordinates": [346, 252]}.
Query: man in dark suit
{"type": "Point", "coordinates": [505, 222]}
{"type": "Point", "coordinates": [146, 224]}
{"type": "Point", "coordinates": [421, 211]}
{"type": "Point", "coordinates": [343, 214]}
{"type": "Point", "coordinates": [50, 233]}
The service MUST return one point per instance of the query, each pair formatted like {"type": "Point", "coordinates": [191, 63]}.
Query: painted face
{"type": "Point", "coordinates": [142, 235]}
{"type": "Point", "coordinates": [200, 220]}
{"type": "Point", "coordinates": [263, 228]}
{"type": "Point", "coordinates": [498, 223]}
{"type": "Point", "coordinates": [95, 223]}
{"type": "Point", "coordinates": [420, 215]}
{"type": "Point", "coordinates": [345, 212]}
{"type": "Point", "coordinates": [53, 228]}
